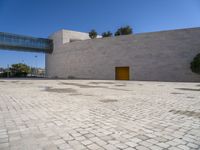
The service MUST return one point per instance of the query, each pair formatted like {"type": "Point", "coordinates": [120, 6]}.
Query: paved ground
{"type": "Point", "coordinates": [58, 114]}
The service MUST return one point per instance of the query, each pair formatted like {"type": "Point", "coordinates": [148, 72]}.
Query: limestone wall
{"type": "Point", "coordinates": [159, 56]}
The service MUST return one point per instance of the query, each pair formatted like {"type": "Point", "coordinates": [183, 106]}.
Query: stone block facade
{"type": "Point", "coordinates": [158, 56]}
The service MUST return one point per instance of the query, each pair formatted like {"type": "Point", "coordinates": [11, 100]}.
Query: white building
{"type": "Point", "coordinates": [158, 56]}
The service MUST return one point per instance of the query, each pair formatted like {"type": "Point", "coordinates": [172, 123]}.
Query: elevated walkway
{"type": "Point", "coordinates": [16, 42]}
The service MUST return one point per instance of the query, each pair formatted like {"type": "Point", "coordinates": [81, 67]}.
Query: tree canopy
{"type": "Point", "coordinates": [124, 31]}
{"type": "Point", "coordinates": [19, 70]}
{"type": "Point", "coordinates": [93, 34]}
{"type": "Point", "coordinates": [195, 64]}
{"type": "Point", "coordinates": [107, 34]}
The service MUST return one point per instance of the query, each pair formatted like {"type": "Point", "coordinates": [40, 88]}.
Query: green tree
{"type": "Point", "coordinates": [5, 74]}
{"type": "Point", "coordinates": [195, 64]}
{"type": "Point", "coordinates": [107, 34]}
{"type": "Point", "coordinates": [19, 70]}
{"type": "Point", "coordinates": [124, 31]}
{"type": "Point", "coordinates": [93, 34]}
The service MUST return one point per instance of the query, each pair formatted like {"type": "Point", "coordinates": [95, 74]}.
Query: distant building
{"type": "Point", "coordinates": [37, 72]}
{"type": "Point", "coordinates": [2, 70]}
{"type": "Point", "coordinates": [40, 72]}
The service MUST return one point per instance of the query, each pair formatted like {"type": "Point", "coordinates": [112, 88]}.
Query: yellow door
{"type": "Point", "coordinates": [122, 73]}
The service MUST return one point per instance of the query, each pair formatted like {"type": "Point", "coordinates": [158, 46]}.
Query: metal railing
{"type": "Point", "coordinates": [25, 43]}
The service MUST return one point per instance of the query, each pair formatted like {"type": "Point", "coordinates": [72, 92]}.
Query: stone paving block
{"type": "Point", "coordinates": [145, 143]}
{"type": "Point", "coordinates": [6, 148]}
{"type": "Point", "coordinates": [16, 142]}
{"type": "Point", "coordinates": [154, 147]}
{"type": "Point", "coordinates": [76, 145]}
{"type": "Point", "coordinates": [184, 147]}
{"type": "Point", "coordinates": [64, 146]}
{"type": "Point", "coordinates": [93, 146]}
{"type": "Point", "coordinates": [142, 137]}
{"type": "Point", "coordinates": [3, 136]}
{"type": "Point", "coordinates": [80, 138]}
{"type": "Point", "coordinates": [142, 148]}
{"type": "Point", "coordinates": [4, 145]}
{"type": "Point", "coordinates": [163, 145]}
{"type": "Point", "coordinates": [131, 144]}
{"type": "Point", "coordinates": [179, 141]}
{"type": "Point", "coordinates": [130, 148]}
{"type": "Point", "coordinates": [3, 140]}
{"type": "Point", "coordinates": [191, 145]}
{"type": "Point", "coordinates": [152, 141]}
{"type": "Point", "coordinates": [14, 138]}
{"type": "Point", "coordinates": [110, 147]}
{"type": "Point", "coordinates": [136, 140]}
{"type": "Point", "coordinates": [113, 142]}
{"type": "Point", "coordinates": [58, 142]}
{"type": "Point", "coordinates": [86, 142]}
{"type": "Point", "coordinates": [174, 148]}
{"type": "Point", "coordinates": [50, 147]}
{"type": "Point", "coordinates": [101, 142]}
{"type": "Point", "coordinates": [121, 145]}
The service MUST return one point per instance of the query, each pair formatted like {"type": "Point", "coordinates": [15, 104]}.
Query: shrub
{"type": "Point", "coordinates": [195, 64]}
{"type": "Point", "coordinates": [92, 34]}
{"type": "Point", "coordinates": [107, 34]}
{"type": "Point", "coordinates": [124, 31]}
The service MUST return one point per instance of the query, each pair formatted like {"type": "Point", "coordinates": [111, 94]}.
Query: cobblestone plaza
{"type": "Point", "coordinates": [98, 115]}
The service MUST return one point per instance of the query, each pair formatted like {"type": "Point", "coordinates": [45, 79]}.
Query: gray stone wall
{"type": "Point", "coordinates": [159, 56]}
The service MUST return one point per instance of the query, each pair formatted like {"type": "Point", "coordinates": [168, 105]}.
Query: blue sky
{"type": "Point", "coordinates": [40, 18]}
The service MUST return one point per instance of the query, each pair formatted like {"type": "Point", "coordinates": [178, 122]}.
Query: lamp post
{"type": "Point", "coordinates": [8, 70]}
{"type": "Point", "coordinates": [36, 65]}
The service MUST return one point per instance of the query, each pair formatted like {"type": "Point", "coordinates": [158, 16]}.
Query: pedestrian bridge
{"type": "Point", "coordinates": [16, 42]}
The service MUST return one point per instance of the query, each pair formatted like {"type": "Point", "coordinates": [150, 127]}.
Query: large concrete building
{"type": "Point", "coordinates": [159, 56]}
